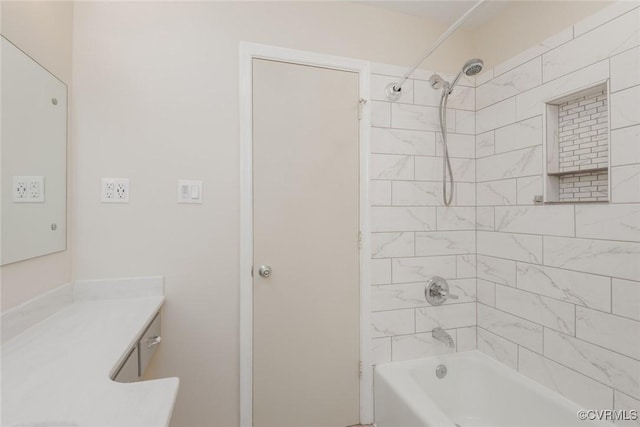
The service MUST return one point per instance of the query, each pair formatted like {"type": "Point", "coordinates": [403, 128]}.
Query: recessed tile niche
{"type": "Point", "coordinates": [577, 146]}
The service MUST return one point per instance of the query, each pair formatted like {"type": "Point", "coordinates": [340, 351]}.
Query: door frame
{"type": "Point", "coordinates": [248, 52]}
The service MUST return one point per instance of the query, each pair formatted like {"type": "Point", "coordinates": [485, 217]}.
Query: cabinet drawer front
{"type": "Point", "coordinates": [128, 372]}
{"type": "Point", "coordinates": [149, 343]}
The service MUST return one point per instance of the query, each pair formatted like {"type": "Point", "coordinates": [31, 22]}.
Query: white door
{"type": "Point", "coordinates": [305, 218]}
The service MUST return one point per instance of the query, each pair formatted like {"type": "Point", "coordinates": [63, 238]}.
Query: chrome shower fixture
{"type": "Point", "coordinates": [437, 82]}
{"type": "Point", "coordinates": [473, 66]}
{"type": "Point", "coordinates": [470, 68]}
{"type": "Point", "coordinates": [393, 91]}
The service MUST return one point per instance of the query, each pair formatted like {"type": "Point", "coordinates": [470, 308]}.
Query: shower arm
{"type": "Point", "coordinates": [394, 89]}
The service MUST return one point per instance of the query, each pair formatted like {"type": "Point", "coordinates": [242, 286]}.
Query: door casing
{"type": "Point", "coordinates": [248, 52]}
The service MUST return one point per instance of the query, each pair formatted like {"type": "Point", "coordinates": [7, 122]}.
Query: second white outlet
{"type": "Point", "coordinates": [115, 190]}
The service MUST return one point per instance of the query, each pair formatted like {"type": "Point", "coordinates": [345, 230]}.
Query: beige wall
{"type": "Point", "coordinates": [155, 100]}
{"type": "Point", "coordinates": [44, 31]}
{"type": "Point", "coordinates": [523, 24]}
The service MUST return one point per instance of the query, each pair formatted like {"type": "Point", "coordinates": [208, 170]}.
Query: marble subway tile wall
{"type": "Point", "coordinates": [414, 235]}
{"type": "Point", "coordinates": [559, 285]}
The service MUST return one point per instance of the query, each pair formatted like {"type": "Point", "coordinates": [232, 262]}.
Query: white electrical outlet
{"type": "Point", "coordinates": [122, 191]}
{"type": "Point", "coordinates": [19, 189]}
{"type": "Point", "coordinates": [189, 191]}
{"type": "Point", "coordinates": [115, 190]}
{"type": "Point", "coordinates": [108, 190]}
{"type": "Point", "coordinates": [28, 189]}
{"type": "Point", "coordinates": [34, 189]}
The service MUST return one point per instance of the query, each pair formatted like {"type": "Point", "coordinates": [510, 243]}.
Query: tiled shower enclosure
{"type": "Point", "coordinates": [553, 289]}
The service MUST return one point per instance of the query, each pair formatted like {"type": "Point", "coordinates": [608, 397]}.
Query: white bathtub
{"type": "Point", "coordinates": [476, 392]}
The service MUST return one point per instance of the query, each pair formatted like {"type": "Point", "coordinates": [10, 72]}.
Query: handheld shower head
{"type": "Point", "coordinates": [472, 67]}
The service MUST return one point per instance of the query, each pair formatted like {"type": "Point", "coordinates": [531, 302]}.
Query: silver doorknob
{"type": "Point", "coordinates": [264, 271]}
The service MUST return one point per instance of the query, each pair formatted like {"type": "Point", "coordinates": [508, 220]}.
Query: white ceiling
{"type": "Point", "coordinates": [444, 11]}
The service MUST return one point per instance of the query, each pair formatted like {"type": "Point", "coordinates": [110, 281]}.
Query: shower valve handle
{"type": "Point", "coordinates": [436, 291]}
{"type": "Point", "coordinates": [446, 295]}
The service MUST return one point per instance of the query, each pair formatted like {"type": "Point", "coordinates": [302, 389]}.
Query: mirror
{"type": "Point", "coordinates": [33, 156]}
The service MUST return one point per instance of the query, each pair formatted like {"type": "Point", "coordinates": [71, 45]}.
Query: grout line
{"type": "Point", "coordinates": [594, 203]}
{"type": "Point", "coordinates": [563, 333]}
{"type": "Point", "coordinates": [540, 85]}
{"type": "Point", "coordinates": [423, 156]}
{"type": "Point", "coordinates": [414, 168]}
{"type": "Point", "coordinates": [415, 321]}
{"type": "Point", "coordinates": [414, 242]}
{"type": "Point", "coordinates": [529, 147]}
{"type": "Point", "coordinates": [421, 130]}
{"type": "Point", "coordinates": [625, 127]}
{"type": "Point", "coordinates": [555, 267]}
{"type": "Point", "coordinates": [613, 401]}
{"type": "Point", "coordinates": [542, 64]}
{"type": "Point", "coordinates": [611, 297]}
{"type": "Point", "coordinates": [427, 305]}
{"type": "Point", "coordinates": [414, 80]}
{"type": "Point", "coordinates": [489, 181]}
{"type": "Point", "coordinates": [520, 233]}
{"type": "Point", "coordinates": [550, 359]}
{"type": "Point", "coordinates": [423, 332]}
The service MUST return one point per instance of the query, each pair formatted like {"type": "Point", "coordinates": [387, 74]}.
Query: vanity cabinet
{"type": "Point", "coordinates": [139, 357]}
{"type": "Point", "coordinates": [148, 344]}
{"type": "Point", "coordinates": [129, 370]}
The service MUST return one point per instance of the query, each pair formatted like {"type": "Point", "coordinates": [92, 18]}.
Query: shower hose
{"type": "Point", "coordinates": [446, 163]}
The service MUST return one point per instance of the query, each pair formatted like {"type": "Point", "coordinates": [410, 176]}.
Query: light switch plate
{"type": "Point", "coordinates": [115, 190]}
{"type": "Point", "coordinates": [189, 191]}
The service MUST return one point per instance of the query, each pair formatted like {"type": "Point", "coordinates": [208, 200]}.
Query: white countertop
{"type": "Point", "coordinates": [58, 372]}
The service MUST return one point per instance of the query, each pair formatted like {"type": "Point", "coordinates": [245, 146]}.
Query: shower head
{"type": "Point", "coordinates": [472, 67]}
